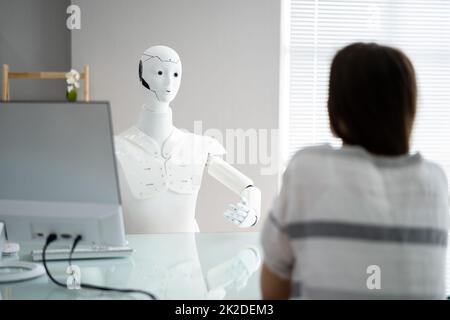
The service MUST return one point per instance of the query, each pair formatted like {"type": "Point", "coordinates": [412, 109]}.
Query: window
{"type": "Point", "coordinates": [315, 29]}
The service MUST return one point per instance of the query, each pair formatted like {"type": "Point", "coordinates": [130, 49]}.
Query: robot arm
{"type": "Point", "coordinates": [246, 212]}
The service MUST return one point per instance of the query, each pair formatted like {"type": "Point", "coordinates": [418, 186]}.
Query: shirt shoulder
{"type": "Point", "coordinates": [433, 175]}
{"type": "Point", "coordinates": [313, 156]}
{"type": "Point", "coordinates": [435, 170]}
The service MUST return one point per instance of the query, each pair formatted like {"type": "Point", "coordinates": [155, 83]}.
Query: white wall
{"type": "Point", "coordinates": [230, 55]}
{"type": "Point", "coordinates": [34, 37]}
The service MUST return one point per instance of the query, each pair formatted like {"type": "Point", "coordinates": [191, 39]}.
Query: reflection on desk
{"type": "Point", "coordinates": [172, 266]}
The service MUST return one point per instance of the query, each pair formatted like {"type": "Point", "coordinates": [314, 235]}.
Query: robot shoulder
{"type": "Point", "coordinates": [208, 144]}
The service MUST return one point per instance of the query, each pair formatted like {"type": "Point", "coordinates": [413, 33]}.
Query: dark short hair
{"type": "Point", "coordinates": [372, 98]}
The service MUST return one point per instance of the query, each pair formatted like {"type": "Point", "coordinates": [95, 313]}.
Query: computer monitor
{"type": "Point", "coordinates": [58, 173]}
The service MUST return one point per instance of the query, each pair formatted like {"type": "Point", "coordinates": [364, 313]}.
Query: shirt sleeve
{"type": "Point", "coordinates": [278, 254]}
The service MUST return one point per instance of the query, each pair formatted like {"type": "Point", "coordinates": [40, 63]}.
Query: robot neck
{"type": "Point", "coordinates": [156, 124]}
{"type": "Point", "coordinates": [152, 103]}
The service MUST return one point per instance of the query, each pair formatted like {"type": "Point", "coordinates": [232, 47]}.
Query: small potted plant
{"type": "Point", "coordinates": [72, 78]}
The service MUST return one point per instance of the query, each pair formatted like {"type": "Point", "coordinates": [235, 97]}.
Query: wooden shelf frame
{"type": "Point", "coordinates": [7, 74]}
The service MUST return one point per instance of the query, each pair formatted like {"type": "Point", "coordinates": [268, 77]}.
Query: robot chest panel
{"type": "Point", "coordinates": [149, 176]}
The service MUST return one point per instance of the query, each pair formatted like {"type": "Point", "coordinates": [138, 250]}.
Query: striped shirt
{"type": "Point", "coordinates": [351, 225]}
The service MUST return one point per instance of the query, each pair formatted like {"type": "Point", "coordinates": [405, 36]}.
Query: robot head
{"type": "Point", "coordinates": [160, 72]}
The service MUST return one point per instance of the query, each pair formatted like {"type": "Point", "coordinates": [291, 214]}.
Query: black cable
{"type": "Point", "coordinates": [75, 243]}
{"type": "Point", "coordinates": [96, 287]}
{"type": "Point", "coordinates": [51, 238]}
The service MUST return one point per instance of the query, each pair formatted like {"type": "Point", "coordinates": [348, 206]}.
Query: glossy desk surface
{"type": "Point", "coordinates": [171, 266]}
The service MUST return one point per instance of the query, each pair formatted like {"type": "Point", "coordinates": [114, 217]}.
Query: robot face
{"type": "Point", "coordinates": [160, 72]}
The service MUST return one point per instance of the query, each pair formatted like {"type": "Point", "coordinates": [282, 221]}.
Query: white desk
{"type": "Point", "coordinates": [172, 266]}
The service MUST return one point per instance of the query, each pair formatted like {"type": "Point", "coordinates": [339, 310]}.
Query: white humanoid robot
{"type": "Point", "coordinates": [161, 167]}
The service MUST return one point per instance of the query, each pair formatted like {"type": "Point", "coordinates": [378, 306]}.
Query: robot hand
{"type": "Point", "coordinates": [241, 214]}
{"type": "Point", "coordinates": [247, 211]}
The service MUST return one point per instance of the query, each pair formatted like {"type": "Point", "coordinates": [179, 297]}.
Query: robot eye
{"type": "Point", "coordinates": [160, 73]}
{"type": "Point", "coordinates": [175, 74]}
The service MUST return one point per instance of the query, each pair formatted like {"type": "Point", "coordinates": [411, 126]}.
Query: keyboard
{"type": "Point", "coordinates": [95, 252]}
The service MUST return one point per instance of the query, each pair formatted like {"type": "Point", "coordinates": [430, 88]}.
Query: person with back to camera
{"type": "Point", "coordinates": [369, 219]}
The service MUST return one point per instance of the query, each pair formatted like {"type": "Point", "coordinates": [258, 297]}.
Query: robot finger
{"type": "Point", "coordinates": [244, 200]}
{"type": "Point", "coordinates": [241, 213]}
{"type": "Point", "coordinates": [238, 217]}
{"type": "Point", "coordinates": [228, 214]}
{"type": "Point", "coordinates": [243, 207]}
{"type": "Point", "coordinates": [231, 216]}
